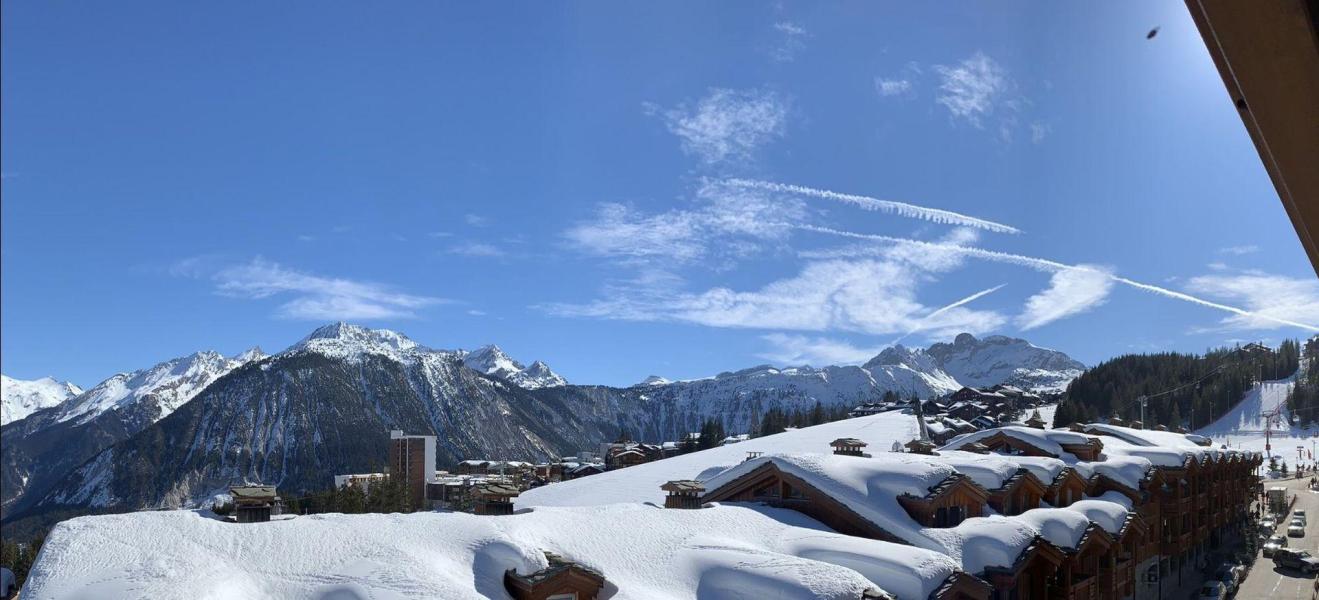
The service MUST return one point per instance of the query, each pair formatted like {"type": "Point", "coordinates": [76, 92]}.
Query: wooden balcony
{"type": "Point", "coordinates": [1084, 589]}
{"type": "Point", "coordinates": [1178, 545]}
{"type": "Point", "coordinates": [1113, 583]}
{"type": "Point", "coordinates": [1176, 506]}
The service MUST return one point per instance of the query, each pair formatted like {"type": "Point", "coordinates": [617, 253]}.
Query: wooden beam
{"type": "Point", "coordinates": [1268, 55]}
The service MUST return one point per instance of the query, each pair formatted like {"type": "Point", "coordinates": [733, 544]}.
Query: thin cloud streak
{"type": "Point", "coordinates": [1047, 265]}
{"type": "Point", "coordinates": [902, 209]}
{"type": "Point", "coordinates": [972, 298]}
{"type": "Point", "coordinates": [318, 298]}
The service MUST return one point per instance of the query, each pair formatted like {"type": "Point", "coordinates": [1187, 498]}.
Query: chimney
{"type": "Point", "coordinates": [683, 494]}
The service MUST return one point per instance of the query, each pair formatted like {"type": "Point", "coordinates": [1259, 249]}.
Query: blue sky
{"type": "Point", "coordinates": [591, 184]}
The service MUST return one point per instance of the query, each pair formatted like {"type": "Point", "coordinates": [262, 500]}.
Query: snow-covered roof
{"type": "Point", "coordinates": [1048, 440]}
{"type": "Point", "coordinates": [1126, 469]}
{"type": "Point", "coordinates": [1109, 511]}
{"type": "Point", "coordinates": [641, 483]}
{"type": "Point", "coordinates": [1061, 527]}
{"type": "Point", "coordinates": [646, 552]}
{"type": "Point", "coordinates": [1162, 448]}
{"type": "Point", "coordinates": [870, 487]}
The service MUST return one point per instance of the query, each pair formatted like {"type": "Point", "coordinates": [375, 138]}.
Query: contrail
{"type": "Point", "coordinates": [1044, 264]}
{"type": "Point", "coordinates": [912, 211]}
{"type": "Point", "coordinates": [971, 298]}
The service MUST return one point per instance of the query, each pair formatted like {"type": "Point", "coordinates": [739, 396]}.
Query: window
{"type": "Point", "coordinates": [949, 516]}
{"type": "Point", "coordinates": [568, 596]}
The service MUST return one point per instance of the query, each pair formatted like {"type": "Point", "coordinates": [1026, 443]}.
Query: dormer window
{"type": "Point", "coordinates": [949, 516]}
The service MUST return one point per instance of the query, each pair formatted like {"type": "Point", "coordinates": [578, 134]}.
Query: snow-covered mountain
{"type": "Point", "coordinates": [998, 359]}
{"type": "Point", "coordinates": [159, 390]}
{"type": "Point", "coordinates": [20, 398]}
{"type": "Point", "coordinates": [493, 361]}
{"type": "Point", "coordinates": [653, 380]}
{"type": "Point", "coordinates": [43, 447]}
{"type": "Point", "coordinates": [324, 406]}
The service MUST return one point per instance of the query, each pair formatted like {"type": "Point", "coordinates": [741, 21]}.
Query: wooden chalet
{"type": "Point", "coordinates": [1029, 577]}
{"type": "Point", "coordinates": [1068, 487]}
{"type": "Point", "coordinates": [1019, 493]}
{"type": "Point", "coordinates": [965, 410]}
{"type": "Point", "coordinates": [561, 580]}
{"type": "Point", "coordinates": [493, 498]}
{"type": "Point", "coordinates": [952, 501]}
{"type": "Point", "coordinates": [254, 503]}
{"type": "Point", "coordinates": [1178, 514]}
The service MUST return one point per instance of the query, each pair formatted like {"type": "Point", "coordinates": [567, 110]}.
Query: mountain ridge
{"type": "Point", "coordinates": [323, 405]}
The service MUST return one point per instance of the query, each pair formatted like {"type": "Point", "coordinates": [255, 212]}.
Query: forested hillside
{"type": "Point", "coordinates": [1304, 399]}
{"type": "Point", "coordinates": [1184, 390]}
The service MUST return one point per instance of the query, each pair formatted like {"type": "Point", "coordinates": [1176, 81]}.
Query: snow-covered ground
{"type": "Point", "coordinates": [645, 553]}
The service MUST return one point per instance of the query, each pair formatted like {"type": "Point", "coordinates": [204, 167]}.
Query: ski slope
{"type": "Point", "coordinates": [1245, 426]}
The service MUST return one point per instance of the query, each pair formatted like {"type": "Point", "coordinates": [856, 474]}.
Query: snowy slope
{"type": "Point", "coordinates": [642, 482]}
{"type": "Point", "coordinates": [20, 398]}
{"type": "Point", "coordinates": [1244, 426]}
{"type": "Point", "coordinates": [645, 553]}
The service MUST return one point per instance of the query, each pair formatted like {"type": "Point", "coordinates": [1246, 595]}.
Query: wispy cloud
{"type": "Point", "coordinates": [1039, 131]}
{"type": "Point", "coordinates": [317, 298]}
{"type": "Point", "coordinates": [727, 126]}
{"type": "Point", "coordinates": [871, 295]}
{"type": "Point", "coordinates": [728, 223]}
{"type": "Point", "coordinates": [792, 40]}
{"type": "Point", "coordinates": [306, 238]}
{"type": "Point", "coordinates": [1239, 250]}
{"type": "Point", "coordinates": [1272, 300]}
{"type": "Point", "coordinates": [800, 349]}
{"type": "Point", "coordinates": [475, 220]}
{"type": "Point", "coordinates": [1070, 292]}
{"type": "Point", "coordinates": [1047, 265]}
{"type": "Point", "coordinates": [440, 234]}
{"type": "Point", "coordinates": [476, 313]}
{"type": "Point", "coordinates": [892, 87]}
{"type": "Point", "coordinates": [972, 89]}
{"type": "Point", "coordinates": [478, 249]}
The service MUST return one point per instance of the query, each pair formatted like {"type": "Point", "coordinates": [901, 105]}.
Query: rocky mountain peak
{"type": "Point", "coordinates": [345, 339]}
{"type": "Point", "coordinates": [654, 380]}
{"type": "Point", "coordinates": [249, 355]}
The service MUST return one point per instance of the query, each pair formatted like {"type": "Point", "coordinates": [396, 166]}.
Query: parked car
{"type": "Point", "coordinates": [1296, 559]}
{"type": "Point", "coordinates": [1274, 543]}
{"type": "Point", "coordinates": [1229, 577]}
{"type": "Point", "coordinates": [1296, 530]}
{"type": "Point", "coordinates": [1300, 514]}
{"type": "Point", "coordinates": [1213, 590]}
{"type": "Point", "coordinates": [1268, 524]}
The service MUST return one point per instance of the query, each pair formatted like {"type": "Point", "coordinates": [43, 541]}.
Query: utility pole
{"type": "Point", "coordinates": [1142, 400]}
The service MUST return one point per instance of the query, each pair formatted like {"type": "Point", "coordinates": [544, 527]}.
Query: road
{"type": "Point", "coordinates": [1264, 581]}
